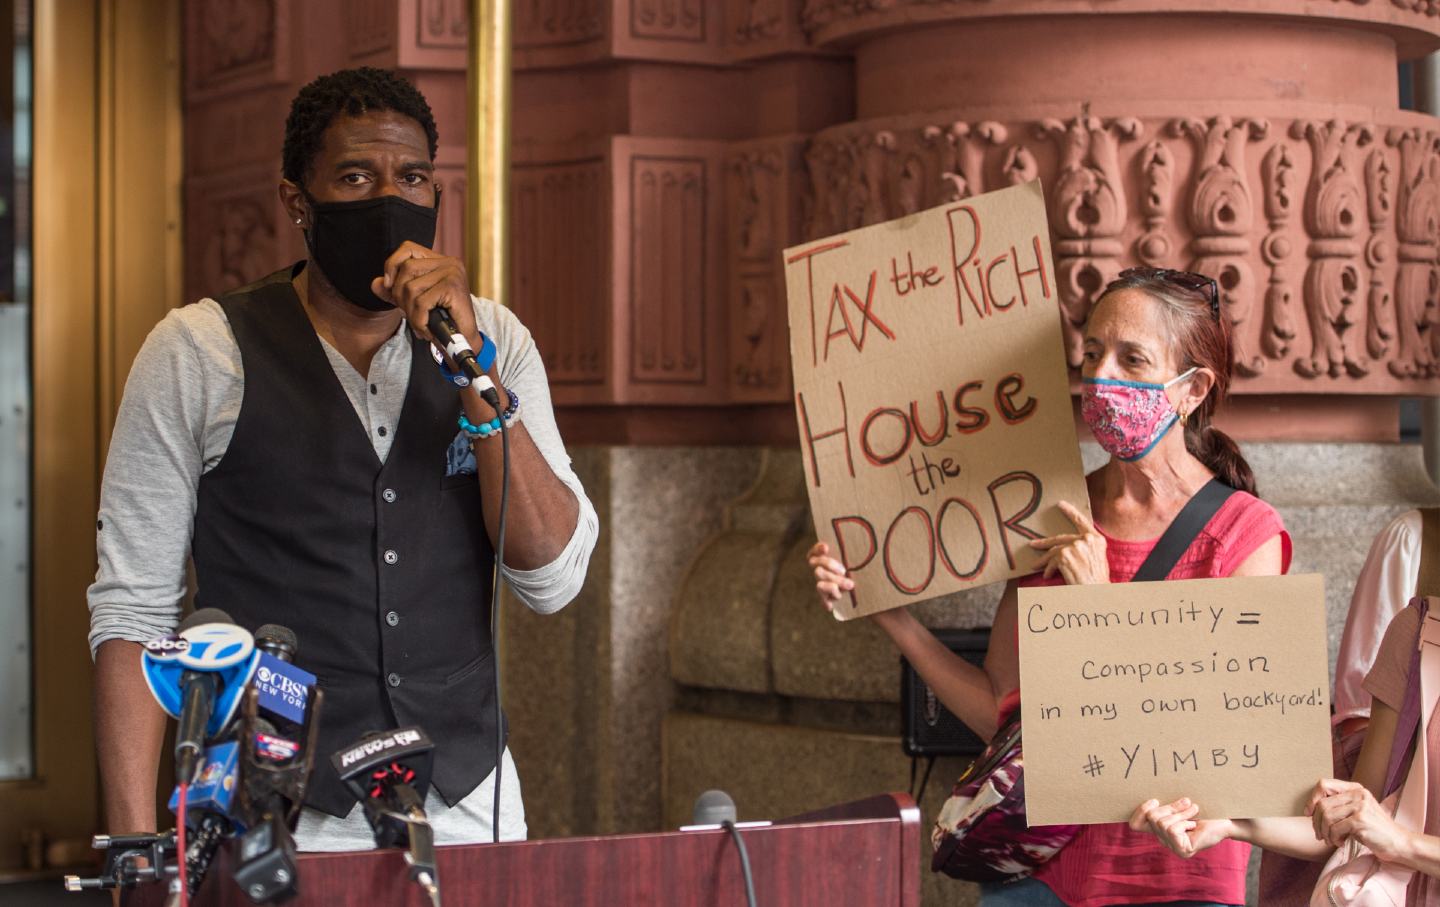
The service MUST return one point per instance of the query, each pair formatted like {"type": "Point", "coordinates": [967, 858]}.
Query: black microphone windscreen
{"type": "Point", "coordinates": [205, 616]}
{"type": "Point", "coordinates": [281, 637]}
{"type": "Point", "coordinates": [714, 807]}
{"type": "Point", "coordinates": [439, 323]}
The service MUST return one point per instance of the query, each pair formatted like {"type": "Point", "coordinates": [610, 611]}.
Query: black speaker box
{"type": "Point", "coordinates": [929, 728]}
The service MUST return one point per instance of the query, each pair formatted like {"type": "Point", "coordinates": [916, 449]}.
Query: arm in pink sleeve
{"type": "Point", "coordinates": [1384, 586]}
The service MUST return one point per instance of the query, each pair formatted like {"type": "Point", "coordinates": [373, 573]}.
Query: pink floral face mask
{"type": "Point", "coordinates": [1128, 417]}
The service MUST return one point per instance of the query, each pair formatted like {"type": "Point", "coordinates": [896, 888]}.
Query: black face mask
{"type": "Point", "coordinates": [349, 241]}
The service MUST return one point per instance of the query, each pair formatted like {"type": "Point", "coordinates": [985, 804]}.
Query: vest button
{"type": "Point", "coordinates": [389, 495]}
{"type": "Point", "coordinates": [391, 557]}
{"type": "Point", "coordinates": [393, 679]}
{"type": "Point", "coordinates": [392, 618]}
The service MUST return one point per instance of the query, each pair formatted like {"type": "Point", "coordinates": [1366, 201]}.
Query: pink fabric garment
{"type": "Point", "coordinates": [1387, 682]}
{"type": "Point", "coordinates": [1382, 590]}
{"type": "Point", "coordinates": [1110, 864]}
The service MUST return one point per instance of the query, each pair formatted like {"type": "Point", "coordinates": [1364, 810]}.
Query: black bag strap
{"type": "Point", "coordinates": [1182, 531]}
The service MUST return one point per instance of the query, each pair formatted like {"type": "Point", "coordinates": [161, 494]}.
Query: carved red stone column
{"type": "Point", "coordinates": [1258, 142]}
{"type": "Point", "coordinates": [658, 173]}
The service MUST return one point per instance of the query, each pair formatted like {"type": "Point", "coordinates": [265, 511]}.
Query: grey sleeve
{"type": "Point", "coordinates": [147, 495]}
{"type": "Point", "coordinates": [549, 588]}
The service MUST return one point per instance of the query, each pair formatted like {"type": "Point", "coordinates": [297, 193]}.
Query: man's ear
{"type": "Point", "coordinates": [292, 197]}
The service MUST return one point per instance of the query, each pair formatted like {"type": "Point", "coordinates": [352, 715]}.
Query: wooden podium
{"type": "Point", "coordinates": [862, 853]}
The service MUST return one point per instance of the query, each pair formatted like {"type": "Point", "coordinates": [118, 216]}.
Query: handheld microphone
{"type": "Point", "coordinates": [442, 327]}
{"type": "Point", "coordinates": [198, 676]}
{"type": "Point", "coordinates": [284, 687]}
{"type": "Point", "coordinates": [390, 773]}
{"type": "Point", "coordinates": [280, 642]}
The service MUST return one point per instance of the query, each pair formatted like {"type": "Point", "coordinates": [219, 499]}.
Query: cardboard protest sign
{"type": "Point", "coordinates": [1213, 689]}
{"type": "Point", "coordinates": [932, 398]}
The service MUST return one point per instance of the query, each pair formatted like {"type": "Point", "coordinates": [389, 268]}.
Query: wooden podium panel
{"type": "Point", "coordinates": [863, 853]}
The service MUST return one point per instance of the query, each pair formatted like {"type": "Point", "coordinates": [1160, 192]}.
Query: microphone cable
{"type": "Point", "coordinates": [495, 614]}
{"type": "Point", "coordinates": [442, 327]}
{"type": "Point", "coordinates": [180, 845]}
{"type": "Point", "coordinates": [729, 825]}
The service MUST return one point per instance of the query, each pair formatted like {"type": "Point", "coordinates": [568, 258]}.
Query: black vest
{"type": "Point", "coordinates": [382, 571]}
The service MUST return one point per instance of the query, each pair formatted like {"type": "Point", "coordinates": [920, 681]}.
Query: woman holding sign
{"type": "Point", "coordinates": [1387, 808]}
{"type": "Point", "coordinates": [1156, 357]}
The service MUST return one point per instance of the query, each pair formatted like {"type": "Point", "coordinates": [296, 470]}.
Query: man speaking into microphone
{"type": "Point", "coordinates": [303, 440]}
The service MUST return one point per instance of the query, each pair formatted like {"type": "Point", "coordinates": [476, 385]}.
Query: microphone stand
{"type": "Point", "coordinates": [400, 813]}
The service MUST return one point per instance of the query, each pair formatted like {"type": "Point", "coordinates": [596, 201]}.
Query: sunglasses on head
{"type": "Point", "coordinates": [1187, 280]}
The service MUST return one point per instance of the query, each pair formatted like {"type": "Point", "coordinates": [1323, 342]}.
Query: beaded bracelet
{"type": "Point", "coordinates": [486, 429]}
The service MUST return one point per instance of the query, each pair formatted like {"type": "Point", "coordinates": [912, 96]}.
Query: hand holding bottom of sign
{"type": "Point", "coordinates": [1177, 828]}
{"type": "Point", "coordinates": [1079, 557]}
{"type": "Point", "coordinates": [1346, 809]}
{"type": "Point", "coordinates": [830, 579]}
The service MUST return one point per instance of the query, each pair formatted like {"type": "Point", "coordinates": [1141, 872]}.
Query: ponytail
{"type": "Point", "coordinates": [1221, 455]}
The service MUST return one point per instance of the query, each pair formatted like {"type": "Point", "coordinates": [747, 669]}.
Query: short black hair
{"type": "Point", "coordinates": [351, 92]}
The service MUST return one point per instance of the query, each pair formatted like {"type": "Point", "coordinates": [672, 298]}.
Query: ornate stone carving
{"type": "Point", "coordinates": [753, 360]}
{"type": "Point", "coordinates": [1020, 165]}
{"type": "Point", "coordinates": [762, 198]}
{"type": "Point", "coordinates": [548, 23]}
{"type": "Point", "coordinates": [1157, 178]}
{"type": "Point", "coordinates": [676, 20]}
{"type": "Point", "coordinates": [756, 175]}
{"type": "Point", "coordinates": [1379, 251]}
{"type": "Point", "coordinates": [1221, 216]}
{"type": "Point", "coordinates": [763, 20]}
{"type": "Point", "coordinates": [1417, 224]}
{"type": "Point", "coordinates": [1277, 174]}
{"type": "Point", "coordinates": [1334, 212]}
{"type": "Point", "coordinates": [1341, 253]}
{"type": "Point", "coordinates": [1423, 7]}
{"type": "Point", "coordinates": [848, 16]}
{"type": "Point", "coordinates": [874, 159]}
{"type": "Point", "coordinates": [1088, 213]}
{"type": "Point", "coordinates": [962, 148]}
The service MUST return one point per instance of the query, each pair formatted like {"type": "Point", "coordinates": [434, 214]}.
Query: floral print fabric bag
{"type": "Point", "coordinates": [980, 834]}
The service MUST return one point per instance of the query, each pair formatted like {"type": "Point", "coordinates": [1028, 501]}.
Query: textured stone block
{"type": "Point", "coordinates": [719, 630]}
{"type": "Point", "coordinates": [720, 625]}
